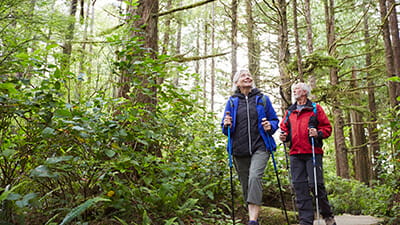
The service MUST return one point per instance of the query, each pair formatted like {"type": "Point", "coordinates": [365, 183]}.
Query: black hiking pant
{"type": "Point", "coordinates": [302, 170]}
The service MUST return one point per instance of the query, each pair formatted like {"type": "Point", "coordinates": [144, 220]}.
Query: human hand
{"type": "Point", "coordinates": [228, 120]}
{"type": "Point", "coordinates": [312, 132]}
{"type": "Point", "coordinates": [266, 124]}
{"type": "Point", "coordinates": [283, 136]}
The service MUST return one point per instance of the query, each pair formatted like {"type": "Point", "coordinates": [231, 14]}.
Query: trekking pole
{"type": "Point", "coordinates": [312, 123]}
{"type": "Point", "coordinates": [315, 179]}
{"type": "Point", "coordinates": [230, 170]}
{"type": "Point", "coordinates": [289, 176]}
{"type": "Point", "coordinates": [277, 176]}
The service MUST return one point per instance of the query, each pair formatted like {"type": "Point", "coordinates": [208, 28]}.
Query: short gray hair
{"type": "Point", "coordinates": [236, 78]}
{"type": "Point", "coordinates": [303, 86]}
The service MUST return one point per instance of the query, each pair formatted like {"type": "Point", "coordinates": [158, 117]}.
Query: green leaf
{"type": "Point", "coordinates": [7, 191]}
{"type": "Point", "coordinates": [25, 200]}
{"type": "Point", "coordinates": [394, 78]}
{"type": "Point", "coordinates": [10, 87]}
{"type": "Point", "coordinates": [81, 208]}
{"type": "Point", "coordinates": [8, 153]}
{"type": "Point", "coordinates": [78, 128]}
{"type": "Point", "coordinates": [48, 132]}
{"type": "Point", "coordinates": [54, 160]}
{"type": "Point", "coordinates": [48, 47]}
{"type": "Point", "coordinates": [146, 218]}
{"type": "Point", "coordinates": [42, 171]}
{"type": "Point", "coordinates": [171, 221]}
{"type": "Point", "coordinates": [62, 113]}
{"type": "Point", "coordinates": [13, 196]}
{"type": "Point", "coordinates": [110, 153]}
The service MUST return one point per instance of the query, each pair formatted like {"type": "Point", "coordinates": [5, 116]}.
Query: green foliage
{"type": "Point", "coordinates": [75, 212]}
{"type": "Point", "coordinates": [315, 63]}
{"type": "Point", "coordinates": [351, 196]}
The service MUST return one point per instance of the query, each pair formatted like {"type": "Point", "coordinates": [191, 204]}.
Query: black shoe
{"type": "Point", "coordinates": [330, 221]}
{"type": "Point", "coordinates": [252, 222]}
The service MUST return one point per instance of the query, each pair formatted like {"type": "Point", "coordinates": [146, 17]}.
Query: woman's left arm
{"type": "Point", "coordinates": [271, 116]}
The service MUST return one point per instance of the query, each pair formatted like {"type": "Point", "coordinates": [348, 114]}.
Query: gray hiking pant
{"type": "Point", "coordinates": [302, 170]}
{"type": "Point", "coordinates": [251, 170]}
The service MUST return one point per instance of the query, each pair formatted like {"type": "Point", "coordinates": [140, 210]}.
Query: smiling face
{"type": "Point", "coordinates": [245, 80]}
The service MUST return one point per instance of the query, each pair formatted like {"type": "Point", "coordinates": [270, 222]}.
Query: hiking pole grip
{"type": "Point", "coordinates": [229, 142]}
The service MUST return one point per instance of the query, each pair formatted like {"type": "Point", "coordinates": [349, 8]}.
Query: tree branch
{"type": "Point", "coordinates": [180, 58]}
{"type": "Point", "coordinates": [184, 8]}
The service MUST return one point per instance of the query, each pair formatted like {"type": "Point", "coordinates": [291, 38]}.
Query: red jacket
{"type": "Point", "coordinates": [296, 126]}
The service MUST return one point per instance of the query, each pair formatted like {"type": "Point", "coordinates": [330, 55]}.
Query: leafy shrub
{"type": "Point", "coordinates": [351, 196]}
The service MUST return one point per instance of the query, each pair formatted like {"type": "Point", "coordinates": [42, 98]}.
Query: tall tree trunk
{"type": "Point", "coordinates": [251, 43]}
{"type": "Point", "coordinates": [167, 24]}
{"type": "Point", "coordinates": [310, 42]}
{"type": "Point", "coordinates": [234, 44]}
{"type": "Point", "coordinates": [373, 137]}
{"type": "Point", "coordinates": [82, 72]}
{"type": "Point", "coordinates": [146, 28]}
{"type": "Point", "coordinates": [178, 43]}
{"type": "Point", "coordinates": [390, 68]}
{"type": "Point", "coordinates": [166, 38]}
{"type": "Point", "coordinates": [394, 30]}
{"type": "Point", "coordinates": [297, 42]}
{"type": "Point", "coordinates": [283, 55]}
{"type": "Point", "coordinates": [90, 50]}
{"type": "Point", "coordinates": [67, 47]}
{"type": "Point", "coordinates": [212, 59]}
{"type": "Point", "coordinates": [205, 71]}
{"type": "Point", "coordinates": [197, 52]}
{"type": "Point", "coordinates": [307, 14]}
{"type": "Point", "coordinates": [361, 156]}
{"type": "Point", "coordinates": [342, 166]}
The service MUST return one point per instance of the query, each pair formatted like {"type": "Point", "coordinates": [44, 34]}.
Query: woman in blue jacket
{"type": "Point", "coordinates": [252, 121]}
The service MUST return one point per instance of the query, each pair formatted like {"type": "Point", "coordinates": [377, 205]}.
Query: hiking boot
{"type": "Point", "coordinates": [330, 221]}
{"type": "Point", "coordinates": [252, 222]}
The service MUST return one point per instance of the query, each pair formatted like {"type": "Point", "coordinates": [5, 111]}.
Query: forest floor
{"type": "Point", "coordinates": [347, 219]}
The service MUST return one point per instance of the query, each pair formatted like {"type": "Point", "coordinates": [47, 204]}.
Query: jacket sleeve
{"type": "Point", "coordinates": [228, 108]}
{"type": "Point", "coordinates": [271, 116]}
{"type": "Point", "coordinates": [324, 126]}
{"type": "Point", "coordinates": [284, 125]}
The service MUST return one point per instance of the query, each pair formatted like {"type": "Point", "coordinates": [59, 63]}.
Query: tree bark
{"type": "Point", "coordinates": [283, 55]}
{"type": "Point", "coordinates": [394, 30]}
{"type": "Point", "coordinates": [373, 137]}
{"type": "Point", "coordinates": [342, 167]}
{"type": "Point", "coordinates": [297, 42]}
{"type": "Point", "coordinates": [234, 44]}
{"type": "Point", "coordinates": [205, 71]}
{"type": "Point", "coordinates": [213, 59]}
{"type": "Point", "coordinates": [310, 42]}
{"type": "Point", "coordinates": [67, 47]}
{"type": "Point", "coordinates": [251, 43]}
{"type": "Point", "coordinates": [361, 156]}
{"type": "Point", "coordinates": [390, 67]}
{"type": "Point", "coordinates": [178, 45]}
{"type": "Point", "coordinates": [167, 32]}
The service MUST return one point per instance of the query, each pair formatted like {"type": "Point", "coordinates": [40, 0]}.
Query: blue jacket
{"type": "Point", "coordinates": [264, 110]}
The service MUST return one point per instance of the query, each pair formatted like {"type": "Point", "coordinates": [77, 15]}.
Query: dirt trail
{"type": "Point", "coordinates": [352, 220]}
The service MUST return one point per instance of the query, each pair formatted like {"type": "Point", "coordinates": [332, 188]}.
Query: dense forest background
{"type": "Point", "coordinates": [110, 110]}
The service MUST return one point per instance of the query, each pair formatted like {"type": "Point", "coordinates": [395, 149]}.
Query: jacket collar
{"type": "Point", "coordinates": [294, 106]}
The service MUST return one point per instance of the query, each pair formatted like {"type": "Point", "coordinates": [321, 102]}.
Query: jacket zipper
{"type": "Point", "coordinates": [248, 124]}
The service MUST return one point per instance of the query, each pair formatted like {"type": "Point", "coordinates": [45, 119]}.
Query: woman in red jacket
{"type": "Point", "coordinates": [305, 123]}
